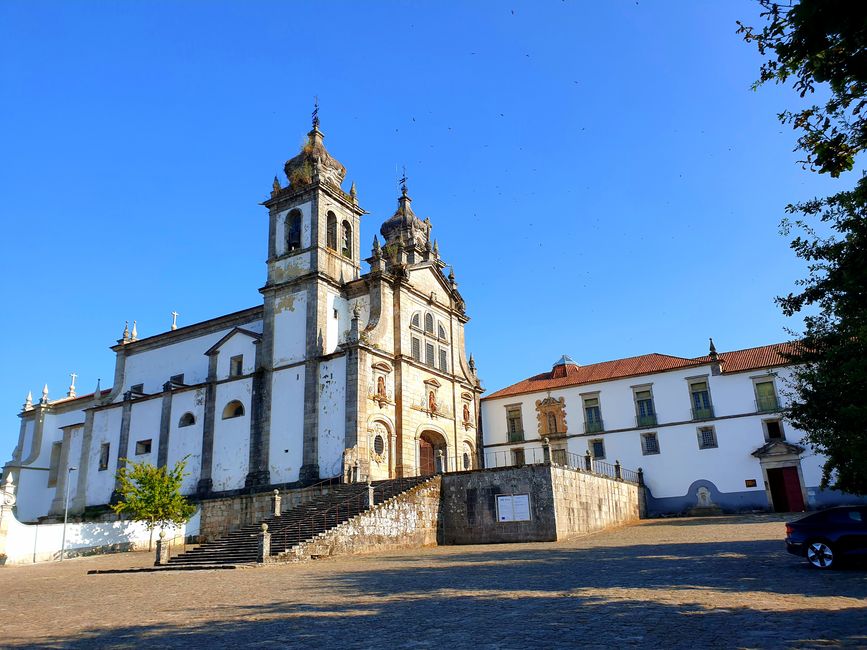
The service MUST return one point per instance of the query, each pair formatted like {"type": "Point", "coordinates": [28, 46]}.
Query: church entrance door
{"type": "Point", "coordinates": [785, 489]}
{"type": "Point", "coordinates": [425, 458]}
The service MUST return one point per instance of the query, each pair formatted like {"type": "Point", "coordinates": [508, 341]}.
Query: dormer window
{"type": "Point", "coordinates": [293, 231]}
{"type": "Point", "coordinates": [331, 232]}
{"type": "Point", "coordinates": [346, 248]}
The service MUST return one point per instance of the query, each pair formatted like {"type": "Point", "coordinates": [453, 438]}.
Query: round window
{"type": "Point", "coordinates": [378, 445]}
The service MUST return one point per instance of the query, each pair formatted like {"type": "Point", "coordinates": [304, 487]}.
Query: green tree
{"type": "Point", "coordinates": [153, 495]}
{"type": "Point", "coordinates": [822, 45]}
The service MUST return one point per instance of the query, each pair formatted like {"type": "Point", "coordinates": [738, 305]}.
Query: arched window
{"type": "Point", "coordinates": [416, 320]}
{"type": "Point", "coordinates": [331, 232]}
{"type": "Point", "coordinates": [428, 323]}
{"type": "Point", "coordinates": [293, 231]}
{"type": "Point", "coordinates": [346, 243]}
{"type": "Point", "coordinates": [441, 331]}
{"type": "Point", "coordinates": [234, 409]}
{"type": "Point", "coordinates": [187, 419]}
{"type": "Point", "coordinates": [552, 423]}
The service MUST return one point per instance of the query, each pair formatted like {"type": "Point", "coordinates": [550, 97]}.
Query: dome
{"type": "Point", "coordinates": [404, 226]}
{"type": "Point", "coordinates": [314, 162]}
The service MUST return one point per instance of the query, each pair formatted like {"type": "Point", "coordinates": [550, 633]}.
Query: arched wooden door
{"type": "Point", "coordinates": [426, 461]}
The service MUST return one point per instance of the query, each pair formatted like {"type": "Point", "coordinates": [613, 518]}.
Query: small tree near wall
{"type": "Point", "coordinates": [153, 496]}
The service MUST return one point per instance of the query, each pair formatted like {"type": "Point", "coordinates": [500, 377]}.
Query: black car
{"type": "Point", "coordinates": [825, 538]}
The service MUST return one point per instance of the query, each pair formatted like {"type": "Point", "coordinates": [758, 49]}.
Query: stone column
{"type": "Point", "coordinates": [123, 444]}
{"type": "Point", "coordinates": [260, 431]}
{"type": "Point", "coordinates": [263, 552]}
{"type": "Point", "coordinates": [79, 501]}
{"type": "Point", "coordinates": [162, 550]}
{"type": "Point", "coordinates": [165, 426]}
{"type": "Point", "coordinates": [205, 482]}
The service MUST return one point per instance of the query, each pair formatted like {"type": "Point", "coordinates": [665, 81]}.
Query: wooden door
{"type": "Point", "coordinates": [792, 486]}
{"type": "Point", "coordinates": [425, 458]}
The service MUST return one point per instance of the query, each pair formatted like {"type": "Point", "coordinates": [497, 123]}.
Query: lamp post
{"type": "Point", "coordinates": [65, 513]}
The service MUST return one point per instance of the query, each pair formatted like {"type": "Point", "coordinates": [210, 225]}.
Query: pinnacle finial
{"type": "Point", "coordinates": [275, 187]}
{"type": "Point", "coordinates": [353, 192]}
{"type": "Point", "coordinates": [98, 390]}
{"type": "Point", "coordinates": [436, 248]}
{"type": "Point", "coordinates": [125, 337]}
{"type": "Point", "coordinates": [71, 391]}
{"type": "Point", "coordinates": [472, 364]}
{"type": "Point", "coordinates": [44, 399]}
{"type": "Point", "coordinates": [134, 333]}
{"type": "Point", "coordinates": [402, 180]}
{"type": "Point", "coordinates": [712, 351]}
{"type": "Point", "coordinates": [377, 250]}
{"type": "Point", "coordinates": [28, 402]}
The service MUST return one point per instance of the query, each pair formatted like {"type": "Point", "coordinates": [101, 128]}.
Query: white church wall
{"type": "Point", "coordinates": [154, 367]}
{"type": "Point", "coordinates": [336, 321]}
{"type": "Point", "coordinates": [238, 345]}
{"type": "Point", "coordinates": [290, 329]}
{"type": "Point", "coordinates": [75, 440]}
{"type": "Point", "coordinates": [187, 441]}
{"type": "Point", "coordinates": [106, 428]}
{"type": "Point", "coordinates": [332, 416]}
{"type": "Point", "coordinates": [144, 425]}
{"type": "Point", "coordinates": [231, 457]}
{"type": "Point", "coordinates": [287, 424]}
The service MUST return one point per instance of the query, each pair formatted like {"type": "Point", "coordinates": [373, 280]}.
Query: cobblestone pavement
{"type": "Point", "coordinates": [697, 583]}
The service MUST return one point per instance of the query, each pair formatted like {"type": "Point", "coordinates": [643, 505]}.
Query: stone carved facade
{"type": "Point", "coordinates": [551, 414]}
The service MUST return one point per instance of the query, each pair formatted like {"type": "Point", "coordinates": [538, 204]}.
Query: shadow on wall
{"type": "Point", "coordinates": [673, 595]}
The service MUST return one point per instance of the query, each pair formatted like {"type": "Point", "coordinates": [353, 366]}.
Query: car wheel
{"type": "Point", "coordinates": [820, 555]}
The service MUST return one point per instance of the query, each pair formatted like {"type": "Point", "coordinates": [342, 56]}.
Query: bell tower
{"type": "Point", "coordinates": [313, 251]}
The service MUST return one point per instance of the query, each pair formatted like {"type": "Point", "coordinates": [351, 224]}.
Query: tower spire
{"type": "Point", "coordinates": [315, 112]}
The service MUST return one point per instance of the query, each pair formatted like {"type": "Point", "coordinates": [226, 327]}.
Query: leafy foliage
{"type": "Point", "coordinates": [824, 42]}
{"type": "Point", "coordinates": [152, 495]}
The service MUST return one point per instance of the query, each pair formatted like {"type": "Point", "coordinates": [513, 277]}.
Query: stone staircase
{"type": "Point", "coordinates": [300, 524]}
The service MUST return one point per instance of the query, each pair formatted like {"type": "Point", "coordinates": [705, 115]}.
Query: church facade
{"type": "Point", "coordinates": [337, 373]}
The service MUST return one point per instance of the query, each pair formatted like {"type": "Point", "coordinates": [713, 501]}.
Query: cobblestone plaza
{"type": "Point", "coordinates": [703, 582]}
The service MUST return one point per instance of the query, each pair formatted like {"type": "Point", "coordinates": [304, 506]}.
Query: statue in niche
{"type": "Point", "coordinates": [466, 412]}
{"type": "Point", "coordinates": [380, 387]}
{"type": "Point", "coordinates": [432, 402]}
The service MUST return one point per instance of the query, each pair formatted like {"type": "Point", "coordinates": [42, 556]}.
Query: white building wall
{"type": "Point", "coordinates": [144, 424]}
{"type": "Point", "coordinates": [290, 329]}
{"type": "Point", "coordinates": [106, 428]}
{"type": "Point", "coordinates": [287, 424]}
{"type": "Point", "coordinates": [154, 367]}
{"type": "Point", "coordinates": [332, 416]}
{"type": "Point", "coordinates": [186, 442]}
{"type": "Point", "coordinates": [238, 345]}
{"type": "Point", "coordinates": [231, 459]}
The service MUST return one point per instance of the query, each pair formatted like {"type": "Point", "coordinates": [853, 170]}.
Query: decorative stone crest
{"type": "Point", "coordinates": [551, 414]}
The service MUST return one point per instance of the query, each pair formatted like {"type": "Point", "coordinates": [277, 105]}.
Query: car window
{"type": "Point", "coordinates": [845, 516]}
{"type": "Point", "coordinates": [855, 515]}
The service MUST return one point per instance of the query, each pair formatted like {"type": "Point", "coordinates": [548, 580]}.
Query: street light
{"type": "Point", "coordinates": [65, 512]}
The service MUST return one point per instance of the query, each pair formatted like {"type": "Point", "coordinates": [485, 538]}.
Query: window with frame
{"type": "Point", "coordinates": [706, 438]}
{"type": "Point", "coordinates": [649, 444]}
{"type": "Point", "coordinates": [766, 396]}
{"type": "Point", "coordinates": [429, 354]}
{"type": "Point", "coordinates": [441, 331]}
{"type": "Point", "coordinates": [592, 415]}
{"type": "Point", "coordinates": [104, 452]}
{"type": "Point", "coordinates": [444, 360]}
{"type": "Point", "coordinates": [699, 393]}
{"type": "Point", "coordinates": [416, 348]}
{"type": "Point", "coordinates": [54, 463]}
{"type": "Point", "coordinates": [187, 420]}
{"type": "Point", "coordinates": [233, 409]}
{"type": "Point", "coordinates": [142, 447]}
{"type": "Point", "coordinates": [293, 231]}
{"type": "Point", "coordinates": [514, 424]}
{"type": "Point", "coordinates": [774, 430]}
{"type": "Point", "coordinates": [236, 366]}
{"type": "Point", "coordinates": [331, 231]}
{"type": "Point", "coordinates": [416, 320]}
{"type": "Point", "coordinates": [645, 413]}
{"type": "Point", "coordinates": [428, 324]}
{"type": "Point", "coordinates": [597, 448]}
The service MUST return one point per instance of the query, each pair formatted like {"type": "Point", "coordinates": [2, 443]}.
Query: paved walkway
{"type": "Point", "coordinates": [687, 583]}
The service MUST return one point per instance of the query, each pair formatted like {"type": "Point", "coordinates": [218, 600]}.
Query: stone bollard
{"type": "Point", "coordinates": [276, 504]}
{"type": "Point", "coordinates": [618, 474]}
{"type": "Point", "coordinates": [546, 451]}
{"type": "Point", "coordinates": [588, 461]}
{"type": "Point", "coordinates": [162, 550]}
{"type": "Point", "coordinates": [641, 477]}
{"type": "Point", "coordinates": [264, 549]}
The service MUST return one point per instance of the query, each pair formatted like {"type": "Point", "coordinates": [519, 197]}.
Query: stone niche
{"type": "Point", "coordinates": [551, 414]}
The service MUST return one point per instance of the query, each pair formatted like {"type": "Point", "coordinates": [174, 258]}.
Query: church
{"type": "Point", "coordinates": [337, 373]}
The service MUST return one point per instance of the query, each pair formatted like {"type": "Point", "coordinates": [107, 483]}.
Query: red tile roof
{"type": "Point", "coordinates": [736, 361]}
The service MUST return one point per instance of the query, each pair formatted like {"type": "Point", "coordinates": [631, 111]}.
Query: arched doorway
{"type": "Point", "coordinates": [429, 444]}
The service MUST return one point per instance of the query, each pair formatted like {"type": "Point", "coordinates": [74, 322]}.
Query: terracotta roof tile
{"type": "Point", "coordinates": [736, 361]}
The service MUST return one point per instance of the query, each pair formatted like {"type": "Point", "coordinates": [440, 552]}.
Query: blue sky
{"type": "Point", "coordinates": [600, 174]}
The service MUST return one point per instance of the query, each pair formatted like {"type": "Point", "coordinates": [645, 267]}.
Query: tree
{"type": "Point", "coordinates": [153, 495]}
{"type": "Point", "coordinates": [822, 44]}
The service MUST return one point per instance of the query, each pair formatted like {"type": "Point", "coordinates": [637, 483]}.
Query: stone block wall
{"type": "Point", "coordinates": [470, 506]}
{"type": "Point", "coordinates": [563, 502]}
{"type": "Point", "coordinates": [586, 502]}
{"type": "Point", "coordinates": [409, 520]}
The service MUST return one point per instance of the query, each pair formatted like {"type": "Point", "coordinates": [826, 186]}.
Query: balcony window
{"type": "Point", "coordinates": [645, 413]}
{"type": "Point", "coordinates": [592, 415]}
{"type": "Point", "coordinates": [700, 396]}
{"type": "Point", "coordinates": [766, 396]}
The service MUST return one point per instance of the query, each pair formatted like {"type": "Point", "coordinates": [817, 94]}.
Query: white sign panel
{"type": "Point", "coordinates": [513, 507]}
